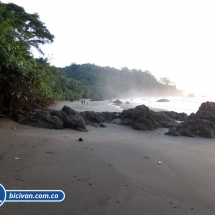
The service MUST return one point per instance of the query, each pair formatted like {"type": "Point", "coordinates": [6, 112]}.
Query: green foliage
{"type": "Point", "coordinates": [106, 82]}
{"type": "Point", "coordinates": [71, 89]}
{"type": "Point", "coordinates": [24, 27]}
{"type": "Point", "coordinates": [25, 81]}
{"type": "Point", "coordinates": [166, 81]}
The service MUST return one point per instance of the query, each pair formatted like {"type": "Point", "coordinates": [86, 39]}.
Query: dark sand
{"type": "Point", "coordinates": [114, 171]}
{"type": "Point", "coordinates": [98, 106]}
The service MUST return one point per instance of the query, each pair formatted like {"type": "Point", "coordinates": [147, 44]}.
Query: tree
{"type": "Point", "coordinates": [25, 27]}
{"type": "Point", "coordinates": [166, 81]}
{"type": "Point", "coordinates": [105, 82]}
{"type": "Point", "coordinates": [24, 81]}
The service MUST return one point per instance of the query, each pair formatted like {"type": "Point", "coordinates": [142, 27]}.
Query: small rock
{"type": "Point", "coordinates": [102, 125]}
{"type": "Point", "coordinates": [163, 100]}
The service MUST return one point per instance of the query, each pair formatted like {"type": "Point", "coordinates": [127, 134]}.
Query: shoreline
{"type": "Point", "coordinates": [115, 170]}
{"type": "Point", "coordinates": [99, 106]}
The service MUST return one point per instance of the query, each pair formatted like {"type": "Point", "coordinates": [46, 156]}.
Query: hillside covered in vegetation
{"type": "Point", "coordinates": [106, 82]}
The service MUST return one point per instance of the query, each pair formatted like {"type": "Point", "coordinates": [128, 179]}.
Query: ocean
{"type": "Point", "coordinates": [187, 105]}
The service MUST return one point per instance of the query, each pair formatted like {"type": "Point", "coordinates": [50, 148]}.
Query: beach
{"type": "Point", "coordinates": [100, 106]}
{"type": "Point", "coordinates": [115, 170]}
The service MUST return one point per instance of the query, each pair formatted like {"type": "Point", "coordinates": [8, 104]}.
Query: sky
{"type": "Point", "coordinates": [169, 38]}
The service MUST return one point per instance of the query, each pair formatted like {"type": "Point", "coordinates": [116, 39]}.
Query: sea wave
{"type": "Point", "coordinates": [177, 104]}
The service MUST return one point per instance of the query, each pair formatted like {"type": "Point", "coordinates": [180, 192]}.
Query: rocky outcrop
{"type": "Point", "coordinates": [190, 95]}
{"type": "Point", "coordinates": [205, 111]}
{"type": "Point", "coordinates": [201, 124]}
{"type": "Point", "coordinates": [117, 102]}
{"type": "Point", "coordinates": [52, 119]}
{"type": "Point", "coordinates": [39, 118]}
{"type": "Point", "coordinates": [70, 118]}
{"type": "Point", "coordinates": [163, 100]}
{"type": "Point", "coordinates": [175, 116]}
{"type": "Point", "coordinates": [194, 127]}
{"type": "Point", "coordinates": [92, 117]}
{"type": "Point", "coordinates": [142, 118]}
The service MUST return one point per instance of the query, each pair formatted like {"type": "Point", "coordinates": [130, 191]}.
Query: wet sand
{"type": "Point", "coordinates": [115, 170]}
{"type": "Point", "coordinates": [98, 106]}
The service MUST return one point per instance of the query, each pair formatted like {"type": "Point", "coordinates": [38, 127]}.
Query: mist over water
{"type": "Point", "coordinates": [177, 104]}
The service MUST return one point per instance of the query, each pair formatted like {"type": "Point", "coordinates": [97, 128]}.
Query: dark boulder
{"type": "Point", "coordinates": [69, 111]}
{"type": "Point", "coordinates": [109, 116]}
{"type": "Point", "coordinates": [205, 111]}
{"type": "Point", "coordinates": [117, 102]}
{"type": "Point", "coordinates": [117, 121]}
{"type": "Point", "coordinates": [39, 118]}
{"type": "Point", "coordinates": [194, 127]}
{"type": "Point", "coordinates": [101, 125]}
{"type": "Point", "coordinates": [92, 117]}
{"type": "Point", "coordinates": [174, 115]}
{"type": "Point", "coordinates": [201, 123]}
{"type": "Point", "coordinates": [60, 114]}
{"type": "Point", "coordinates": [206, 106]}
{"type": "Point", "coordinates": [142, 118]}
{"type": "Point", "coordinates": [53, 119]}
{"type": "Point", "coordinates": [127, 113]}
{"type": "Point", "coordinates": [75, 122]}
{"type": "Point", "coordinates": [72, 119]}
{"type": "Point", "coordinates": [19, 118]}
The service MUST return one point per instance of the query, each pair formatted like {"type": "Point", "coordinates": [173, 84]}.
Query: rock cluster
{"type": "Point", "coordinates": [52, 119]}
{"type": "Point", "coordinates": [201, 124]}
{"type": "Point", "coordinates": [92, 117]}
{"type": "Point", "coordinates": [175, 116]}
{"type": "Point", "coordinates": [142, 118]}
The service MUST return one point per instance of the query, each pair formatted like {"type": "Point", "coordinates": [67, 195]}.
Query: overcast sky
{"type": "Point", "coordinates": [169, 38]}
